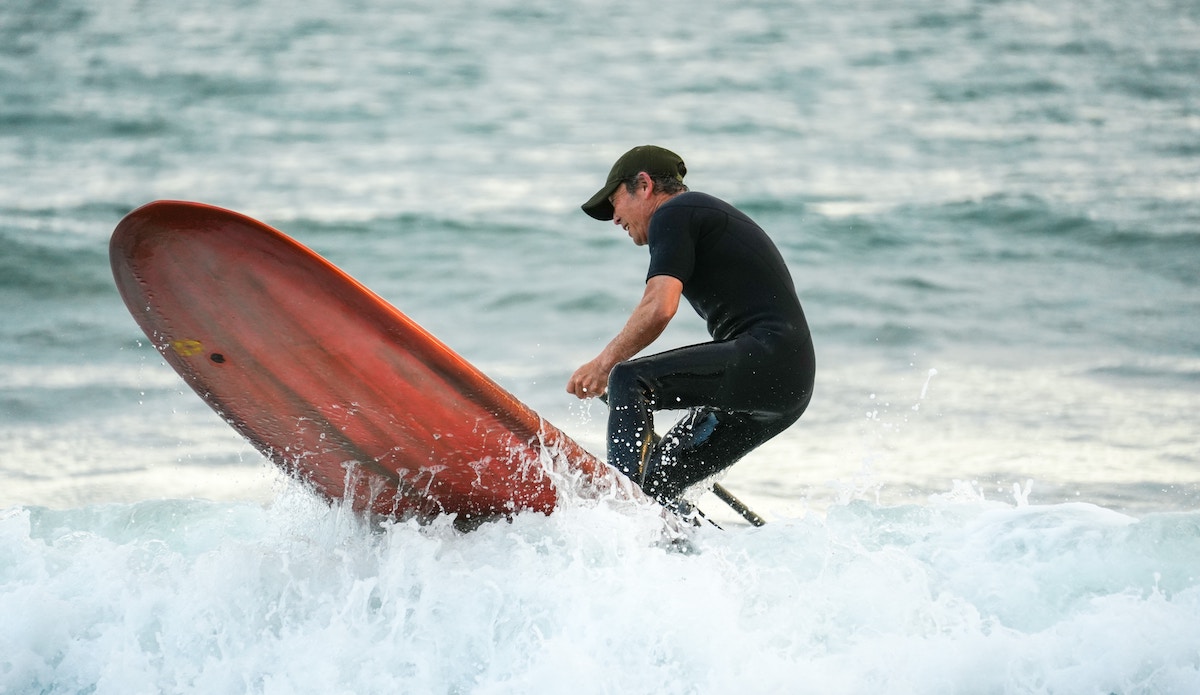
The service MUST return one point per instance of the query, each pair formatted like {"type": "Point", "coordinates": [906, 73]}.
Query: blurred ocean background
{"type": "Point", "coordinates": [991, 209]}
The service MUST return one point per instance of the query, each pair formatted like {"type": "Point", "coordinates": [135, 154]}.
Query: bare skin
{"type": "Point", "coordinates": [632, 211]}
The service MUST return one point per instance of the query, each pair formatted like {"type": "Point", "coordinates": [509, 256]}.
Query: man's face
{"type": "Point", "coordinates": [632, 210]}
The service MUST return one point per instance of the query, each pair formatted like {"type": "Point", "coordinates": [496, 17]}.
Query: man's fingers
{"type": "Point", "coordinates": [584, 383]}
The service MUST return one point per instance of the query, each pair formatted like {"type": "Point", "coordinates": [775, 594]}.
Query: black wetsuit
{"type": "Point", "coordinates": [744, 388]}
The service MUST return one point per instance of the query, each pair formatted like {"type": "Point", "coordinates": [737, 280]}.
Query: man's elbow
{"type": "Point", "coordinates": [662, 315]}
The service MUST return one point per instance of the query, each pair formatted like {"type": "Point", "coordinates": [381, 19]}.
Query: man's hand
{"type": "Point", "coordinates": [590, 380]}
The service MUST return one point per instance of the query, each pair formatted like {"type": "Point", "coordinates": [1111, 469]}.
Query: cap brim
{"type": "Point", "coordinates": [598, 206]}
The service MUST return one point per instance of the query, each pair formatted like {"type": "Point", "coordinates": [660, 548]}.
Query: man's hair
{"type": "Point", "coordinates": [663, 183]}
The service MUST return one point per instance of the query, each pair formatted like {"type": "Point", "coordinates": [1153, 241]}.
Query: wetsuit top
{"type": "Point", "coordinates": [733, 275]}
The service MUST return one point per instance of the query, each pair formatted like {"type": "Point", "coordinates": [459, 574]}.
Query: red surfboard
{"type": "Point", "coordinates": [331, 382]}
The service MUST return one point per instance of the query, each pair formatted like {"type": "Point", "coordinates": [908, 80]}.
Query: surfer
{"type": "Point", "coordinates": [749, 384]}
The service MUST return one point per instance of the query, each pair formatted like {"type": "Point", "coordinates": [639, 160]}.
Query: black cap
{"type": "Point", "coordinates": [651, 159]}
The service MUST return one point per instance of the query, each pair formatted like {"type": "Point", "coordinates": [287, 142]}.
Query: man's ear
{"type": "Point", "coordinates": [644, 181]}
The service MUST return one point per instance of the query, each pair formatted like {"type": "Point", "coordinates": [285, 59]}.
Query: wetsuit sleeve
{"type": "Point", "coordinates": [672, 248]}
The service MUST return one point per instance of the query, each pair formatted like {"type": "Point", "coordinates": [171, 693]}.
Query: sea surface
{"type": "Point", "coordinates": [991, 209]}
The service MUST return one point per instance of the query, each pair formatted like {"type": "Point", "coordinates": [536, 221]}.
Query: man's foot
{"type": "Point", "coordinates": [688, 512]}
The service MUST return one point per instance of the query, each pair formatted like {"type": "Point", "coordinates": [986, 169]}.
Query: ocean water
{"type": "Point", "coordinates": [992, 212]}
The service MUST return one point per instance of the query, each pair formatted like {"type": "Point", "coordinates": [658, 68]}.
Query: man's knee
{"type": "Point", "coordinates": [625, 384]}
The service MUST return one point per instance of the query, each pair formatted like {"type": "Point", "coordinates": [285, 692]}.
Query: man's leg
{"type": "Point", "coordinates": [704, 443]}
{"type": "Point", "coordinates": [721, 382]}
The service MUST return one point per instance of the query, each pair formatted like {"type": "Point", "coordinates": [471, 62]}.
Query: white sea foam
{"type": "Point", "coordinates": [176, 596]}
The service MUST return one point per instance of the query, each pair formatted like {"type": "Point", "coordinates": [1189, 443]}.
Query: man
{"type": "Point", "coordinates": [753, 381]}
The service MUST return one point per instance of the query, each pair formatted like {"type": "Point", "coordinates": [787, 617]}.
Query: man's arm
{"type": "Point", "coordinates": [658, 306]}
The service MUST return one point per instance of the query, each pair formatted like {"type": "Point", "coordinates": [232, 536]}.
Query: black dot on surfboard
{"type": "Point", "coordinates": [217, 357]}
